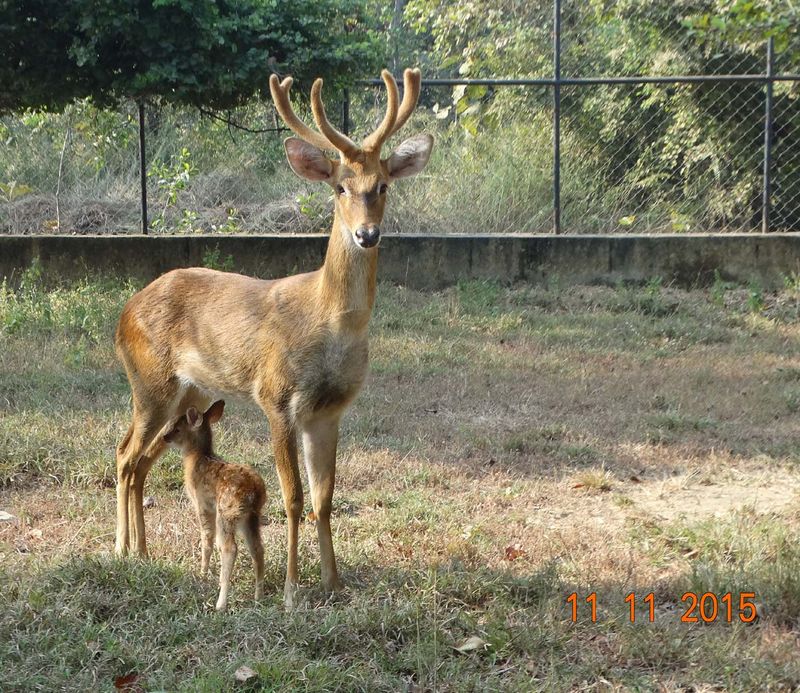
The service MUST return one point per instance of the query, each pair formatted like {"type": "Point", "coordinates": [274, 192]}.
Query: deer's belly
{"type": "Point", "coordinates": [331, 380]}
{"type": "Point", "coordinates": [209, 374]}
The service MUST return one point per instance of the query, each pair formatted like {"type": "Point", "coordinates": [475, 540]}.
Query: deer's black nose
{"type": "Point", "coordinates": [368, 235]}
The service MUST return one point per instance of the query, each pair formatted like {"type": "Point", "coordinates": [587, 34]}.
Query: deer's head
{"type": "Point", "coordinates": [360, 178]}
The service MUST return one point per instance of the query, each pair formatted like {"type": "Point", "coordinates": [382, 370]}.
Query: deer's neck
{"type": "Point", "coordinates": [348, 276]}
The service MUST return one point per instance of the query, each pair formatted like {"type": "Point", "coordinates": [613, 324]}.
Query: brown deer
{"type": "Point", "coordinates": [297, 345]}
{"type": "Point", "coordinates": [227, 497]}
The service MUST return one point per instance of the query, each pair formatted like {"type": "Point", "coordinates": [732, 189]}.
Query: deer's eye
{"type": "Point", "coordinates": [340, 190]}
{"type": "Point", "coordinates": [383, 188]}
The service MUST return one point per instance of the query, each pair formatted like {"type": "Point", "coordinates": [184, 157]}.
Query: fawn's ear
{"type": "Point", "coordinates": [306, 160]}
{"type": "Point", "coordinates": [194, 418]}
{"type": "Point", "coordinates": [214, 412]}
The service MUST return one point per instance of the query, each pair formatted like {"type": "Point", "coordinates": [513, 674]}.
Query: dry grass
{"type": "Point", "coordinates": [469, 502]}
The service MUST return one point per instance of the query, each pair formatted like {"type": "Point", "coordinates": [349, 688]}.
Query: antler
{"type": "Point", "coordinates": [395, 117]}
{"type": "Point", "coordinates": [329, 137]}
{"type": "Point", "coordinates": [280, 96]}
{"type": "Point", "coordinates": [412, 82]}
{"type": "Point", "coordinates": [339, 140]}
{"type": "Point", "coordinates": [374, 141]}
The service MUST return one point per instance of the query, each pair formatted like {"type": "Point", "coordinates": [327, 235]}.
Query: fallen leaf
{"type": "Point", "coordinates": [472, 644]}
{"type": "Point", "coordinates": [578, 485]}
{"type": "Point", "coordinates": [311, 517]}
{"type": "Point", "coordinates": [244, 674]}
{"type": "Point", "coordinates": [636, 480]}
{"type": "Point", "coordinates": [129, 683]}
{"type": "Point", "coordinates": [514, 552]}
{"type": "Point", "coordinates": [149, 502]}
{"type": "Point", "coordinates": [35, 533]}
{"type": "Point", "coordinates": [6, 517]}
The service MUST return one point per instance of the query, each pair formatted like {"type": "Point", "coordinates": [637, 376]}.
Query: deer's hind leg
{"type": "Point", "coordinates": [136, 497]}
{"type": "Point", "coordinates": [140, 437]}
{"type": "Point", "coordinates": [153, 409]}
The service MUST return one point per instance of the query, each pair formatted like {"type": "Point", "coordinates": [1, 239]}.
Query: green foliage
{"type": "Point", "coordinates": [170, 179]}
{"type": "Point", "coordinates": [79, 311]}
{"type": "Point", "coordinates": [12, 190]}
{"type": "Point", "coordinates": [755, 297]}
{"type": "Point", "coordinates": [200, 53]}
{"type": "Point", "coordinates": [212, 258]}
{"type": "Point", "coordinates": [686, 155]}
{"type": "Point", "coordinates": [719, 288]}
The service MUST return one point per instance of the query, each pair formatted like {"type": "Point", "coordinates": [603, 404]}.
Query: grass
{"type": "Point", "coordinates": [512, 446]}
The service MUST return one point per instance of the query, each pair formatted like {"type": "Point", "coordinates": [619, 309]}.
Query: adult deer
{"type": "Point", "coordinates": [297, 345]}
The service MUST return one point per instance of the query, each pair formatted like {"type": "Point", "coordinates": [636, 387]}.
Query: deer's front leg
{"type": "Point", "coordinates": [284, 444]}
{"type": "Point", "coordinates": [320, 438]}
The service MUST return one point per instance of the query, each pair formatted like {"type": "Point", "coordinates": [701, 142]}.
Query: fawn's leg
{"type": "Point", "coordinates": [226, 541]}
{"type": "Point", "coordinates": [284, 443]}
{"type": "Point", "coordinates": [320, 437]}
{"type": "Point", "coordinates": [207, 535]}
{"type": "Point", "coordinates": [251, 530]}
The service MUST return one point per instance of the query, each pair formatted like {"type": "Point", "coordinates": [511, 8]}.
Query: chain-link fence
{"type": "Point", "coordinates": [592, 138]}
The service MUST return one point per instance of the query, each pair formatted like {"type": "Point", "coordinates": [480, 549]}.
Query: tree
{"type": "Point", "coordinates": [194, 52]}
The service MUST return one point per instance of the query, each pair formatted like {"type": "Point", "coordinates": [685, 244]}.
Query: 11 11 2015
{"type": "Point", "coordinates": [706, 607]}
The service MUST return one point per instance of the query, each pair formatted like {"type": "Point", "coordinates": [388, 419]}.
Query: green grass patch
{"type": "Point", "coordinates": [461, 507]}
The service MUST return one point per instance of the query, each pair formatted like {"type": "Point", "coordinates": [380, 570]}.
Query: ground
{"type": "Point", "coordinates": [512, 446]}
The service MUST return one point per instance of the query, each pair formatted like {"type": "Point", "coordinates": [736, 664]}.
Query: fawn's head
{"type": "Point", "coordinates": [360, 179]}
{"type": "Point", "coordinates": [192, 431]}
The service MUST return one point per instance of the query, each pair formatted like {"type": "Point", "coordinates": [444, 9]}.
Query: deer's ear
{"type": "Point", "coordinates": [306, 160]}
{"type": "Point", "coordinates": [214, 412]}
{"type": "Point", "coordinates": [194, 418]}
{"type": "Point", "coordinates": [410, 157]}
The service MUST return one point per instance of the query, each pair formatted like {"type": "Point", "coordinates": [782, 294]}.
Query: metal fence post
{"type": "Point", "coordinates": [142, 168]}
{"type": "Point", "coordinates": [557, 116]}
{"type": "Point", "coordinates": [767, 181]}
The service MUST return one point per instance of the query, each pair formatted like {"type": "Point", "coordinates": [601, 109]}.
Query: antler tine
{"type": "Point", "coordinates": [374, 141]}
{"type": "Point", "coordinates": [280, 96]}
{"type": "Point", "coordinates": [340, 141]}
{"type": "Point", "coordinates": [412, 82]}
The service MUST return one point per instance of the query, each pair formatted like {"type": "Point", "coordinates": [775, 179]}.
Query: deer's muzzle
{"type": "Point", "coordinates": [368, 235]}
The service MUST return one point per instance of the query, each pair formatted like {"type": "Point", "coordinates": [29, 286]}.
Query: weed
{"type": "Point", "coordinates": [719, 288]}
{"type": "Point", "coordinates": [755, 297]}
{"type": "Point", "coordinates": [597, 479]}
{"type": "Point", "coordinates": [792, 398]}
{"type": "Point", "coordinates": [170, 179]}
{"type": "Point", "coordinates": [212, 259]}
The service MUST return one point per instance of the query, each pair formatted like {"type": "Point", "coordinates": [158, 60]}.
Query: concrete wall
{"type": "Point", "coordinates": [429, 261]}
